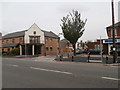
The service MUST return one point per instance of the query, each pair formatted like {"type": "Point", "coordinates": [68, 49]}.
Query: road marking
{"type": "Point", "coordinates": [110, 78]}
{"type": "Point", "coordinates": [50, 70]}
{"type": "Point", "coordinates": [13, 65]}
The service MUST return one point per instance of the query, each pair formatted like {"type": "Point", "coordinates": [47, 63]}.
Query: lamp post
{"type": "Point", "coordinates": [113, 32]}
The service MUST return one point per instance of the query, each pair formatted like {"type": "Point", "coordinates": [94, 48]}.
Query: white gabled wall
{"type": "Point", "coordinates": [30, 32]}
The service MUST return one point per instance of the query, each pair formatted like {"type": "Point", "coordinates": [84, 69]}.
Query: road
{"type": "Point", "coordinates": [32, 73]}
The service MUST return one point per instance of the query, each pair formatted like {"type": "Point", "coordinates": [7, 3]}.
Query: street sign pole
{"type": "Point", "coordinates": [113, 33]}
{"type": "Point", "coordinates": [101, 49]}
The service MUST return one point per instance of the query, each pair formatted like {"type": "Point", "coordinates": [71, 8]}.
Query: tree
{"type": "Point", "coordinates": [73, 28]}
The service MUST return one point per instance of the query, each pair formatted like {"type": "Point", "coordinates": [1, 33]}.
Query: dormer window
{"type": "Point", "coordinates": [13, 40]}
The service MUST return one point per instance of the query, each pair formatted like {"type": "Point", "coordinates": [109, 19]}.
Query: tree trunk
{"type": "Point", "coordinates": [74, 47]}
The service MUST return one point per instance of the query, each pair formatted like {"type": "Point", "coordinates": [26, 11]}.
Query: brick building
{"type": "Point", "coordinates": [94, 44]}
{"type": "Point", "coordinates": [65, 46]}
{"type": "Point", "coordinates": [107, 44]}
{"type": "Point", "coordinates": [81, 45]}
{"type": "Point", "coordinates": [33, 41]}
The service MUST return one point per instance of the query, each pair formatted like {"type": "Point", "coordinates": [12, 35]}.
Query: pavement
{"type": "Point", "coordinates": [40, 73]}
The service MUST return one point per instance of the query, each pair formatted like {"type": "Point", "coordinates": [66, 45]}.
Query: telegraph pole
{"type": "Point", "coordinates": [113, 32]}
{"type": "Point", "coordinates": [101, 52]}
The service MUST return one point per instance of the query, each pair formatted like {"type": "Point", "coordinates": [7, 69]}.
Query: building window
{"type": "Point", "coordinates": [47, 49]}
{"type": "Point", "coordinates": [35, 39]}
{"type": "Point", "coordinates": [34, 32]}
{"type": "Point", "coordinates": [111, 33]}
{"type": "Point", "coordinates": [50, 39]}
{"type": "Point", "coordinates": [7, 41]}
{"type": "Point", "coordinates": [8, 49]}
{"type": "Point", "coordinates": [13, 40]}
{"type": "Point", "coordinates": [50, 48]}
{"type": "Point", "coordinates": [20, 40]}
{"type": "Point", "coordinates": [47, 39]}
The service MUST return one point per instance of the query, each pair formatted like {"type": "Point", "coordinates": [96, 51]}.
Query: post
{"type": "Point", "coordinates": [57, 46]}
{"type": "Point", "coordinates": [32, 49]}
{"type": "Point", "coordinates": [20, 50]}
{"type": "Point", "coordinates": [101, 48]}
{"type": "Point", "coordinates": [113, 33]}
{"type": "Point", "coordinates": [88, 56]}
{"type": "Point", "coordinates": [106, 59]}
{"type": "Point", "coordinates": [72, 58]}
{"type": "Point", "coordinates": [60, 58]}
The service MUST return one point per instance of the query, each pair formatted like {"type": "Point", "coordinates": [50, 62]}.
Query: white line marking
{"type": "Point", "coordinates": [50, 70]}
{"type": "Point", "coordinates": [110, 78]}
{"type": "Point", "coordinates": [14, 65]}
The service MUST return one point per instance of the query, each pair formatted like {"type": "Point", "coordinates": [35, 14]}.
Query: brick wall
{"type": "Point", "coordinates": [13, 40]}
{"type": "Point", "coordinates": [118, 32]}
{"type": "Point", "coordinates": [91, 45]}
{"type": "Point", "coordinates": [16, 40]}
{"type": "Point", "coordinates": [109, 33]}
{"type": "Point", "coordinates": [65, 47]}
{"type": "Point", "coordinates": [51, 45]}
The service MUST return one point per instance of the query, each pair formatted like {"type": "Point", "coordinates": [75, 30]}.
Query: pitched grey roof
{"type": "Point", "coordinates": [116, 25]}
{"type": "Point", "coordinates": [50, 34]}
{"type": "Point", "coordinates": [15, 34]}
{"type": "Point", "coordinates": [22, 33]}
{"type": "Point", "coordinates": [64, 41]}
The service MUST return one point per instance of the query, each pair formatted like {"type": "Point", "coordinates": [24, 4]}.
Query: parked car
{"type": "Point", "coordinates": [94, 51]}
{"type": "Point", "coordinates": [79, 51]}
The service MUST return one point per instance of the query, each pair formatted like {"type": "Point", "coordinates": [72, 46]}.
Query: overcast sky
{"type": "Point", "coordinates": [17, 16]}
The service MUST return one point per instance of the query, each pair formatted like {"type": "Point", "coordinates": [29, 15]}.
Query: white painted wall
{"type": "Point", "coordinates": [30, 32]}
{"type": "Point", "coordinates": [109, 48]}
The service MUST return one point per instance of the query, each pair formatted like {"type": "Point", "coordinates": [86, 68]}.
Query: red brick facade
{"type": "Point", "coordinates": [65, 46]}
{"type": "Point", "coordinates": [33, 41]}
{"type": "Point", "coordinates": [117, 31]}
{"type": "Point", "coordinates": [50, 46]}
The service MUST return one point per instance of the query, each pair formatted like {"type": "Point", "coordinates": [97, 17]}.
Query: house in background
{"type": "Point", "coordinates": [81, 45]}
{"type": "Point", "coordinates": [65, 46]}
{"type": "Point", "coordinates": [94, 44]}
{"type": "Point", "coordinates": [33, 41]}
{"type": "Point", "coordinates": [107, 44]}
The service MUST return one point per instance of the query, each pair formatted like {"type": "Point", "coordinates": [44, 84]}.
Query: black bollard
{"type": "Point", "coordinates": [60, 58]}
{"type": "Point", "coordinates": [106, 59]}
{"type": "Point", "coordinates": [88, 57]}
{"type": "Point", "coordinates": [72, 58]}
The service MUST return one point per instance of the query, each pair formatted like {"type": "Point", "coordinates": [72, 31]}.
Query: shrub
{"type": "Point", "coordinates": [4, 54]}
{"type": "Point", "coordinates": [15, 51]}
